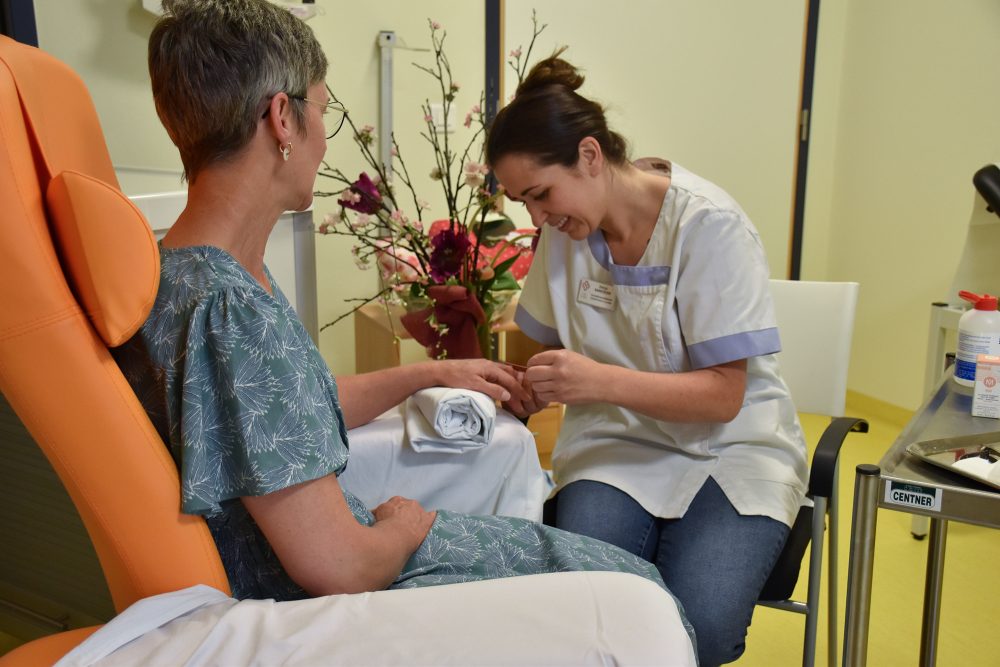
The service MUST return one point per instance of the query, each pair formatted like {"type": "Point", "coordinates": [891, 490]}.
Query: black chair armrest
{"type": "Point", "coordinates": [825, 458]}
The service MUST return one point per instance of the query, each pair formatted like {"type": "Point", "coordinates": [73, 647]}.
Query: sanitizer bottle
{"type": "Point", "coordinates": [978, 333]}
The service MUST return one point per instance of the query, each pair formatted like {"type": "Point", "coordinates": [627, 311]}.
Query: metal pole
{"type": "Point", "coordinates": [386, 44]}
{"type": "Point", "coordinates": [832, 568]}
{"type": "Point", "coordinates": [862, 560]}
{"type": "Point", "coordinates": [932, 592]}
{"type": "Point", "coordinates": [815, 579]}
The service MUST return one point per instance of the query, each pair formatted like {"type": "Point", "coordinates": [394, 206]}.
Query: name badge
{"type": "Point", "coordinates": [598, 295]}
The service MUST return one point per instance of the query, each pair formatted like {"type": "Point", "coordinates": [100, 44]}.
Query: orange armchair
{"type": "Point", "coordinates": [78, 273]}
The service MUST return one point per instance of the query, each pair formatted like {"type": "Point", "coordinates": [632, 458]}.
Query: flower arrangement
{"type": "Point", "coordinates": [456, 275]}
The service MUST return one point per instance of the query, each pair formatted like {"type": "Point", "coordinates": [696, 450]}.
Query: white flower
{"type": "Point", "coordinates": [474, 173]}
{"type": "Point", "coordinates": [397, 264]}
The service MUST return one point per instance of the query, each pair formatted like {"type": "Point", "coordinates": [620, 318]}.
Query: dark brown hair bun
{"type": "Point", "coordinates": [553, 71]}
{"type": "Point", "coordinates": [547, 119]}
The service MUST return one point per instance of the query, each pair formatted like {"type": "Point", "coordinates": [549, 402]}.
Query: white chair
{"type": "Point", "coordinates": [815, 321]}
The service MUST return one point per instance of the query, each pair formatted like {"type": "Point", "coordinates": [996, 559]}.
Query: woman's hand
{"type": "Point", "coordinates": [408, 516]}
{"type": "Point", "coordinates": [564, 376]}
{"type": "Point", "coordinates": [363, 397]}
{"type": "Point", "coordinates": [497, 381]}
{"type": "Point", "coordinates": [524, 408]}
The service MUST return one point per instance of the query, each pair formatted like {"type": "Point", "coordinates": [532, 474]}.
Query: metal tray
{"type": "Point", "coordinates": [974, 456]}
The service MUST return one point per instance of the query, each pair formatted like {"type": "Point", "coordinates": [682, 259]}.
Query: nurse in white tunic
{"type": "Point", "coordinates": [650, 286]}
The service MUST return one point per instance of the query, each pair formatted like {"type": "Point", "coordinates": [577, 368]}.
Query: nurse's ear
{"type": "Point", "coordinates": [590, 158]}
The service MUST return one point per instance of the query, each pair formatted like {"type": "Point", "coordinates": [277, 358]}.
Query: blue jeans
{"type": "Point", "coordinates": [714, 560]}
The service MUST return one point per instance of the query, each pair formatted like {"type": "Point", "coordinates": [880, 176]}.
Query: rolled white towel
{"type": "Point", "coordinates": [440, 419]}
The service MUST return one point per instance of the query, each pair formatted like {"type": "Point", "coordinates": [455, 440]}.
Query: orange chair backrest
{"type": "Point", "coordinates": [78, 272]}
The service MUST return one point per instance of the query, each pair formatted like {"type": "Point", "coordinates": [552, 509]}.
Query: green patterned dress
{"type": "Point", "coordinates": [234, 384]}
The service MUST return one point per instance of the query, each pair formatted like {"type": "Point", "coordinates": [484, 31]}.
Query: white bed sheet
{"type": "Point", "coordinates": [502, 478]}
{"type": "Point", "coordinates": [568, 618]}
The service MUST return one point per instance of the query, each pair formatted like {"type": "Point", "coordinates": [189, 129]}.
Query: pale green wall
{"type": "Point", "coordinates": [105, 42]}
{"type": "Point", "coordinates": [912, 117]}
{"type": "Point", "coordinates": [905, 111]}
{"type": "Point", "coordinates": [712, 85]}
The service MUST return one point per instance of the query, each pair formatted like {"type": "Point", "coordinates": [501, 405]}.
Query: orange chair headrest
{"type": "Point", "coordinates": [108, 250]}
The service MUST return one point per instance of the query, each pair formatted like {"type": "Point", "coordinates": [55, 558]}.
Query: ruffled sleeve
{"type": "Point", "coordinates": [259, 409]}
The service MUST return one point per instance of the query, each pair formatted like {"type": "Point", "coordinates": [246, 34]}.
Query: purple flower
{"type": "Point", "coordinates": [363, 197]}
{"type": "Point", "coordinates": [448, 254]}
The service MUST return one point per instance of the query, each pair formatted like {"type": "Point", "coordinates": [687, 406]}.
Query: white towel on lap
{"type": "Point", "coordinates": [440, 419]}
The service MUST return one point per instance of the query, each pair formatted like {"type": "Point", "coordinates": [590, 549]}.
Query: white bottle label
{"type": "Point", "coordinates": [971, 345]}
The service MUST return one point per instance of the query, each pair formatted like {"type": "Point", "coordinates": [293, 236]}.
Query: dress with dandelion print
{"type": "Point", "coordinates": [238, 390]}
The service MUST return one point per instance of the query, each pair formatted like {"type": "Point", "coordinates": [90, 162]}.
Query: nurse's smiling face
{"type": "Point", "coordinates": [567, 198]}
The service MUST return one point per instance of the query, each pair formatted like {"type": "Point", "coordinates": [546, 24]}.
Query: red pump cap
{"type": "Point", "coordinates": [980, 301]}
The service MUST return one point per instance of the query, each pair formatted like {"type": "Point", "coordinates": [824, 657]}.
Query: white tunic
{"type": "Point", "coordinates": [698, 297]}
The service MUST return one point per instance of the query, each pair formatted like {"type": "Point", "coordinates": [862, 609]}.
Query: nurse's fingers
{"type": "Point", "coordinates": [504, 380]}
{"type": "Point", "coordinates": [545, 391]}
{"type": "Point", "coordinates": [536, 374]}
{"type": "Point", "coordinates": [544, 358]}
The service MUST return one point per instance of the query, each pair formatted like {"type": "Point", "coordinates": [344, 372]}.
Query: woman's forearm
{"type": "Point", "coordinates": [705, 395]}
{"type": "Point", "coordinates": [364, 397]}
{"type": "Point", "coordinates": [322, 546]}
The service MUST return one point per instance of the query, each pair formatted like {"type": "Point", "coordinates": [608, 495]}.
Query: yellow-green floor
{"type": "Point", "coordinates": [970, 601]}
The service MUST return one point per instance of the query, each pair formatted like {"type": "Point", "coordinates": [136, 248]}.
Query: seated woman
{"type": "Point", "coordinates": [253, 417]}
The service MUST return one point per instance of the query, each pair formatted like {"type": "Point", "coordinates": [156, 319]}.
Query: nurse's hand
{"type": "Point", "coordinates": [525, 407]}
{"type": "Point", "coordinates": [564, 376]}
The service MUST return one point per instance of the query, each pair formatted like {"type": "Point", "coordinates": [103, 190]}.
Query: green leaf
{"type": "Point", "coordinates": [491, 231]}
{"type": "Point", "coordinates": [504, 265]}
{"type": "Point", "coordinates": [505, 281]}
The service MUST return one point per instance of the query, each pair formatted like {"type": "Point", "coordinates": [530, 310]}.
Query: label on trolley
{"type": "Point", "coordinates": [927, 498]}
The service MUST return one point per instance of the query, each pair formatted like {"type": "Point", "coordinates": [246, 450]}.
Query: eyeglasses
{"type": "Point", "coordinates": [334, 114]}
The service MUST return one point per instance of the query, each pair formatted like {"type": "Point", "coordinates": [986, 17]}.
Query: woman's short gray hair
{"type": "Point", "coordinates": [215, 63]}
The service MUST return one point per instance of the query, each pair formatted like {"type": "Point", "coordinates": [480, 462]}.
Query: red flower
{"type": "Point", "coordinates": [448, 254]}
{"type": "Point", "coordinates": [504, 250]}
{"type": "Point", "coordinates": [363, 196]}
